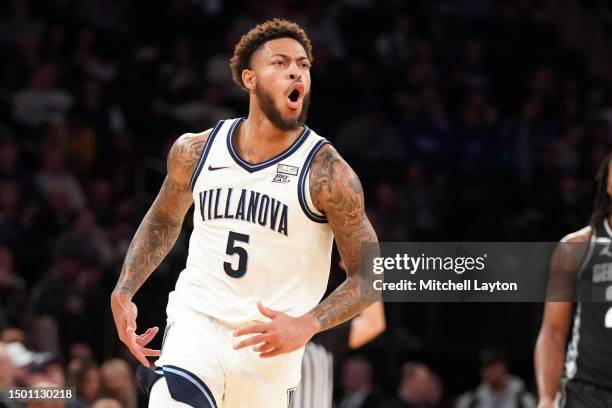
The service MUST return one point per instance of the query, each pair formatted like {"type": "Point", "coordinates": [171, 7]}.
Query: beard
{"type": "Point", "coordinates": [266, 103]}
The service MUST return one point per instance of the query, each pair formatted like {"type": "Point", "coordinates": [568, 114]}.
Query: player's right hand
{"type": "Point", "coordinates": [124, 313]}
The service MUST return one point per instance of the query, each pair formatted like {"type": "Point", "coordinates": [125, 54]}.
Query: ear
{"type": "Point", "coordinates": [248, 79]}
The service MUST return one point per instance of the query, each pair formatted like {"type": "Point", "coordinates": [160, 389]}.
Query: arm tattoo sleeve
{"type": "Point", "coordinates": [161, 225]}
{"type": "Point", "coordinates": [335, 189]}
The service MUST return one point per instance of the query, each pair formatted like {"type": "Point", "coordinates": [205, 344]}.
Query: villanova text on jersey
{"type": "Point", "coordinates": [245, 205]}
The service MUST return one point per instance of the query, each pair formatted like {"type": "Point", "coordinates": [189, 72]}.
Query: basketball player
{"type": "Point", "coordinates": [587, 382]}
{"type": "Point", "coordinates": [270, 196]}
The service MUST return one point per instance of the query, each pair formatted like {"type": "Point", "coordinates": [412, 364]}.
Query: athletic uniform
{"type": "Point", "coordinates": [256, 237]}
{"type": "Point", "coordinates": [588, 367]}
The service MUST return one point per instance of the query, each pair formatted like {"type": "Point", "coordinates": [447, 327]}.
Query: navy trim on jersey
{"type": "Point", "coordinates": [187, 388]}
{"type": "Point", "coordinates": [207, 146]}
{"type": "Point", "coordinates": [302, 184]}
{"type": "Point", "coordinates": [259, 166]}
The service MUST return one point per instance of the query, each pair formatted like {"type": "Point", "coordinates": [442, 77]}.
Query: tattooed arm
{"type": "Point", "coordinates": [336, 191]}
{"type": "Point", "coordinates": [153, 240]}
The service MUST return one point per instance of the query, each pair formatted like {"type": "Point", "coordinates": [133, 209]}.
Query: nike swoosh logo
{"type": "Point", "coordinates": [211, 168]}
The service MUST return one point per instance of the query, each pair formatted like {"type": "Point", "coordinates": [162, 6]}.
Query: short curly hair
{"type": "Point", "coordinates": [259, 35]}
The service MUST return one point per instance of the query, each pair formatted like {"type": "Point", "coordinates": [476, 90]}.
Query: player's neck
{"type": "Point", "coordinates": [258, 140]}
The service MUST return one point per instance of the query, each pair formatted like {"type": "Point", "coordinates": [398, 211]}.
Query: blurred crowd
{"type": "Point", "coordinates": [466, 120]}
{"type": "Point", "coordinates": [110, 385]}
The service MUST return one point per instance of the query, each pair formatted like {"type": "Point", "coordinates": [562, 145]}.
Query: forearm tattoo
{"type": "Point", "coordinates": [162, 224]}
{"type": "Point", "coordinates": [335, 189]}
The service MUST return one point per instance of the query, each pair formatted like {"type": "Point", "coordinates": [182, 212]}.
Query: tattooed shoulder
{"type": "Point", "coordinates": [184, 156]}
{"type": "Point", "coordinates": [330, 179]}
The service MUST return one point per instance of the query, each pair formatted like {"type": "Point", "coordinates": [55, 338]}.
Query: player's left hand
{"type": "Point", "coordinates": [283, 334]}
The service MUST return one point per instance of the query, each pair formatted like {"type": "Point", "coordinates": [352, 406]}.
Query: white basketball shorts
{"type": "Point", "coordinates": [203, 370]}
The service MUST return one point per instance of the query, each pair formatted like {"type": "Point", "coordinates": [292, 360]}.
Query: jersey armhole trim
{"type": "Point", "coordinates": [205, 152]}
{"type": "Point", "coordinates": [309, 212]}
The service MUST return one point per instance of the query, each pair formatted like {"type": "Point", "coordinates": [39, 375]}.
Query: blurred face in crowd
{"type": "Point", "coordinates": [81, 351]}
{"type": "Point", "coordinates": [495, 374]}
{"type": "Point", "coordinates": [421, 386]}
{"type": "Point", "coordinates": [117, 379]}
{"type": "Point", "coordinates": [54, 373]}
{"type": "Point", "coordinates": [356, 375]}
{"type": "Point", "coordinates": [279, 80]}
{"type": "Point", "coordinates": [90, 386]}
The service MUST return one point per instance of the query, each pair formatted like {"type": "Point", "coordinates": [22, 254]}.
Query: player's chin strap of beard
{"type": "Point", "coordinates": [183, 386]}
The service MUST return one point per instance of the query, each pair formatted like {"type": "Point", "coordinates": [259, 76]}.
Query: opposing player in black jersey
{"type": "Point", "coordinates": [587, 379]}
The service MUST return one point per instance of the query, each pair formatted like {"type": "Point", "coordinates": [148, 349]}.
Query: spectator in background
{"type": "Point", "coordinates": [107, 403]}
{"type": "Point", "coordinates": [7, 379]}
{"type": "Point", "coordinates": [498, 388]}
{"type": "Point", "coordinates": [54, 177]}
{"type": "Point", "coordinates": [46, 404]}
{"type": "Point", "coordinates": [20, 359]}
{"type": "Point", "coordinates": [419, 388]}
{"type": "Point", "coordinates": [11, 334]}
{"type": "Point", "coordinates": [81, 144]}
{"type": "Point", "coordinates": [86, 230]}
{"type": "Point", "coordinates": [80, 351]}
{"type": "Point", "coordinates": [84, 376]}
{"type": "Point", "coordinates": [32, 367]}
{"type": "Point", "coordinates": [7, 371]}
{"type": "Point", "coordinates": [43, 100]}
{"type": "Point", "coordinates": [65, 293]}
{"type": "Point", "coordinates": [359, 390]}
{"type": "Point", "coordinates": [45, 367]}
{"type": "Point", "coordinates": [419, 206]}
{"type": "Point", "coordinates": [118, 382]}
{"type": "Point", "coordinates": [180, 78]}
{"type": "Point", "coordinates": [393, 47]}
{"type": "Point", "coordinates": [102, 197]}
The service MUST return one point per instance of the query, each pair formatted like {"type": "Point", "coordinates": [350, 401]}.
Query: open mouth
{"type": "Point", "coordinates": [294, 95]}
{"type": "Point", "coordinates": [294, 98]}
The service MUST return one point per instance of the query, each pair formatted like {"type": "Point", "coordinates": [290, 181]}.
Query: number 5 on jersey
{"type": "Point", "coordinates": [233, 249]}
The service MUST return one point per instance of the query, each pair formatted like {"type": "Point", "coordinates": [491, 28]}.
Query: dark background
{"type": "Point", "coordinates": [474, 120]}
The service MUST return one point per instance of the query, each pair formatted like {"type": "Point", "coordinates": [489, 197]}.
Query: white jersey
{"type": "Point", "coordinates": [256, 234]}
